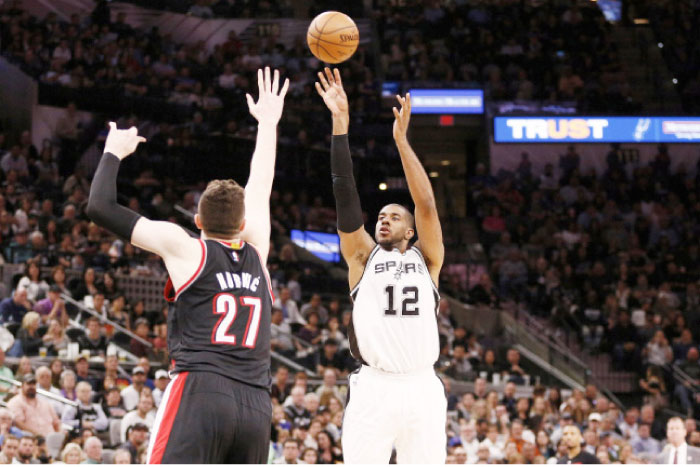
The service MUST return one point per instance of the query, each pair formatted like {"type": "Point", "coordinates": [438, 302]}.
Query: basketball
{"type": "Point", "coordinates": [333, 37]}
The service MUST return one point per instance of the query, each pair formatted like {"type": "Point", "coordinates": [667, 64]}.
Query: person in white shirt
{"type": "Point", "coordinates": [131, 393]}
{"type": "Point", "coordinates": [144, 413]}
{"type": "Point", "coordinates": [677, 450]}
{"type": "Point", "coordinates": [86, 415]}
{"type": "Point", "coordinates": [161, 382]}
{"type": "Point", "coordinates": [290, 310]}
{"type": "Point", "coordinates": [43, 380]}
{"type": "Point", "coordinates": [470, 443]}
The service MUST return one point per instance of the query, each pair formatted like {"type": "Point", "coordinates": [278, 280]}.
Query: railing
{"type": "Point", "coordinates": [41, 392]}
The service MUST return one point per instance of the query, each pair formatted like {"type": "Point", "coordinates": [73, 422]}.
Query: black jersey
{"type": "Point", "coordinates": [220, 321]}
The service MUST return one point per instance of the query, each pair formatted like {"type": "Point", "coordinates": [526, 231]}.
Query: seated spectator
{"type": "Point", "coordinates": [132, 393]}
{"type": "Point", "coordinates": [87, 414]}
{"type": "Point", "coordinates": [72, 453]}
{"type": "Point", "coordinates": [513, 372]}
{"type": "Point", "coordinates": [93, 340]}
{"type": "Point", "coordinates": [290, 452]}
{"type": "Point", "coordinates": [27, 335]}
{"type": "Point", "coordinates": [623, 339]}
{"type": "Point", "coordinates": [10, 445]}
{"type": "Point", "coordinates": [112, 403]}
{"type": "Point", "coordinates": [36, 287]}
{"type": "Point", "coordinates": [143, 414]}
{"type": "Point", "coordinates": [281, 334]}
{"type": "Point", "coordinates": [141, 329]}
{"type": "Point", "coordinates": [68, 383]}
{"type": "Point", "coordinates": [644, 444]}
{"type": "Point", "coordinates": [43, 379]}
{"type": "Point", "coordinates": [315, 306]}
{"type": "Point", "coordinates": [162, 380]}
{"type": "Point", "coordinates": [331, 358]}
{"type": "Point", "coordinates": [136, 439]}
{"type": "Point", "coordinates": [460, 367]}
{"type": "Point", "coordinates": [118, 313]}
{"type": "Point", "coordinates": [122, 456]}
{"type": "Point", "coordinates": [93, 450]}
{"type": "Point", "coordinates": [296, 411]}
{"type": "Point", "coordinates": [654, 388]}
{"type": "Point", "coordinates": [483, 293]}
{"type": "Point", "coordinates": [24, 367]}
{"type": "Point", "coordinates": [684, 391]}
{"type": "Point", "coordinates": [328, 452]}
{"type": "Point", "coordinates": [290, 311]}
{"type": "Point", "coordinates": [52, 307]}
{"type": "Point", "coordinates": [56, 368]}
{"type": "Point", "coordinates": [13, 309]}
{"type": "Point", "coordinates": [6, 427]}
{"type": "Point", "coordinates": [88, 286]}
{"type": "Point", "coordinates": [311, 332]}
{"type": "Point", "coordinates": [32, 414]}
{"type": "Point", "coordinates": [55, 338]}
{"type": "Point", "coordinates": [26, 450]}
{"type": "Point", "coordinates": [658, 352]}
{"type": "Point", "coordinates": [328, 387]}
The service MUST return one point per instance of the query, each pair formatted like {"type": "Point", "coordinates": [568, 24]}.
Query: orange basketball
{"type": "Point", "coordinates": [333, 37]}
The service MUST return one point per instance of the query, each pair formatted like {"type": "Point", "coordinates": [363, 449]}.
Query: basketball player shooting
{"type": "Point", "coordinates": [217, 408]}
{"type": "Point", "coordinates": [395, 399]}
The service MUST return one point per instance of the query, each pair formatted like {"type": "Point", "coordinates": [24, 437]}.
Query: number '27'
{"type": "Point", "coordinates": [226, 305]}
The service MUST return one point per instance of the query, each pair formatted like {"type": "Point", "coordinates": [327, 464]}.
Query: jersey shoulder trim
{"type": "Point", "coordinates": [422, 258]}
{"type": "Point", "coordinates": [374, 251]}
{"type": "Point", "coordinates": [168, 291]}
{"type": "Point", "coordinates": [267, 274]}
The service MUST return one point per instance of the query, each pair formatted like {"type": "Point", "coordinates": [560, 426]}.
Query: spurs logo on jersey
{"type": "Point", "coordinates": [394, 324]}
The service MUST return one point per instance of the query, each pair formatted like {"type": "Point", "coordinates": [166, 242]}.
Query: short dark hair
{"type": "Point", "coordinates": [222, 208]}
{"type": "Point", "coordinates": [291, 440]}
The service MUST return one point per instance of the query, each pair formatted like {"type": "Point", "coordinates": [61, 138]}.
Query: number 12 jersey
{"type": "Point", "coordinates": [220, 321]}
{"type": "Point", "coordinates": [394, 317]}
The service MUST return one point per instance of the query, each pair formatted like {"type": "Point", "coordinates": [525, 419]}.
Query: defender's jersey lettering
{"type": "Point", "coordinates": [221, 321]}
{"type": "Point", "coordinates": [394, 325]}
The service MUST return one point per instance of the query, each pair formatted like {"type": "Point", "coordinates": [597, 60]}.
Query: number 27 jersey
{"type": "Point", "coordinates": [220, 321]}
{"type": "Point", "coordinates": [394, 320]}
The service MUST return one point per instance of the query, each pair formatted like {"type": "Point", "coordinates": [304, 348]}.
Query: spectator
{"type": "Point", "coordinates": [87, 414]}
{"type": "Point", "coordinates": [290, 452]}
{"type": "Point", "coordinates": [315, 306]}
{"type": "Point", "coordinates": [330, 357]}
{"type": "Point", "coordinates": [43, 379]}
{"type": "Point", "coordinates": [143, 414]}
{"type": "Point", "coordinates": [281, 388]}
{"type": "Point", "coordinates": [161, 383]}
{"type": "Point", "coordinates": [574, 454]}
{"type": "Point", "coordinates": [624, 341]}
{"type": "Point", "coordinates": [141, 329]}
{"type": "Point", "coordinates": [328, 387]}
{"type": "Point", "coordinates": [32, 414]}
{"type": "Point", "coordinates": [290, 311]}
{"type": "Point", "coordinates": [6, 428]}
{"type": "Point", "coordinates": [55, 338]}
{"type": "Point", "coordinates": [644, 444]}
{"type": "Point", "coordinates": [24, 367]}
{"type": "Point", "coordinates": [93, 450]}
{"type": "Point", "coordinates": [10, 445]}
{"type": "Point", "coordinates": [460, 367]}
{"type": "Point", "coordinates": [52, 307]}
{"type": "Point", "coordinates": [93, 340]}
{"type": "Point", "coordinates": [296, 412]}
{"type": "Point", "coordinates": [13, 309]}
{"type": "Point", "coordinates": [112, 403]}
{"type": "Point", "coordinates": [683, 390]}
{"type": "Point", "coordinates": [27, 335]}
{"type": "Point", "coordinates": [25, 451]}
{"type": "Point", "coordinates": [136, 435]}
{"type": "Point", "coordinates": [36, 287]}
{"type": "Point", "coordinates": [132, 393]}
{"type": "Point", "coordinates": [513, 372]}
{"type": "Point", "coordinates": [68, 384]}
{"type": "Point", "coordinates": [122, 456]}
{"type": "Point", "coordinates": [281, 334]}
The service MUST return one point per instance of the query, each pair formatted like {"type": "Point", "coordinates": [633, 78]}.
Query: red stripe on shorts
{"type": "Point", "coordinates": [166, 424]}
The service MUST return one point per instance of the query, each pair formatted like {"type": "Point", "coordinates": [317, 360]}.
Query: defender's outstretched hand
{"type": "Point", "coordinates": [403, 117]}
{"type": "Point", "coordinates": [332, 92]}
{"type": "Point", "coordinates": [122, 143]}
{"type": "Point", "coordinates": [270, 103]}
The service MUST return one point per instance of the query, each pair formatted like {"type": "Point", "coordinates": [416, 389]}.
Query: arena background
{"type": "Point", "coordinates": [561, 139]}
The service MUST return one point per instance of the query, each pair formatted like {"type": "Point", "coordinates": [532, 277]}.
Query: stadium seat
{"type": "Point", "coordinates": [115, 433]}
{"type": "Point", "coordinates": [54, 442]}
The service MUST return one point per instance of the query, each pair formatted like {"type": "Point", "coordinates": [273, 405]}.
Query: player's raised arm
{"type": "Point", "coordinates": [355, 242]}
{"type": "Point", "coordinates": [267, 111]}
{"type": "Point", "coordinates": [427, 220]}
{"type": "Point", "coordinates": [165, 239]}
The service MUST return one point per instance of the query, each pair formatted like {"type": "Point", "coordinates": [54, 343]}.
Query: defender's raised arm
{"type": "Point", "coordinates": [267, 111]}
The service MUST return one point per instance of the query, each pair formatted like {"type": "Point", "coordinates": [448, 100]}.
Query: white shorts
{"type": "Point", "coordinates": [385, 410]}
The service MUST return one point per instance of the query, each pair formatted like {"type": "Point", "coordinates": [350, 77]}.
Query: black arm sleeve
{"type": "Point", "coordinates": [347, 199]}
{"type": "Point", "coordinates": [102, 205]}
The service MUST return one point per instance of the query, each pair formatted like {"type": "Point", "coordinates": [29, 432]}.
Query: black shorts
{"type": "Point", "coordinates": [205, 418]}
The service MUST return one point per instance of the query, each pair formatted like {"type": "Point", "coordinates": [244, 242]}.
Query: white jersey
{"type": "Point", "coordinates": [394, 320]}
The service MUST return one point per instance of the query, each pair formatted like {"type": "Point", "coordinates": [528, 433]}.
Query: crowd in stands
{"type": "Point", "coordinates": [611, 257]}
{"type": "Point", "coordinates": [524, 51]}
